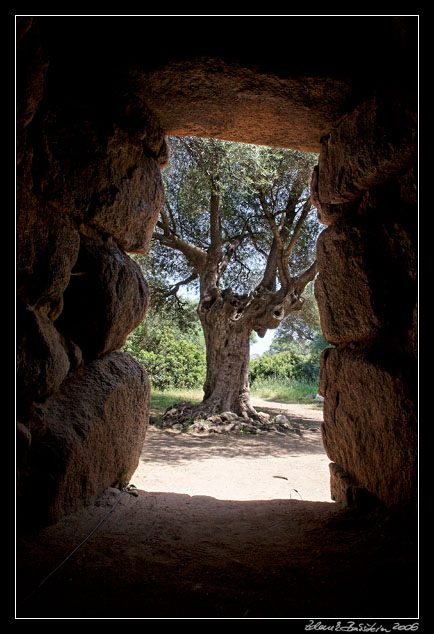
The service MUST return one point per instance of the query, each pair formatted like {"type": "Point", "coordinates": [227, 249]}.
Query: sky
{"type": "Point", "coordinates": [262, 345]}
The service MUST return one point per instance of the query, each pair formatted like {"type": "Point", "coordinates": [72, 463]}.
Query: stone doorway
{"type": "Point", "coordinates": [90, 146]}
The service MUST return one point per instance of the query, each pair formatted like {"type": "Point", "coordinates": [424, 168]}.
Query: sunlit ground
{"type": "Point", "coordinates": [262, 467]}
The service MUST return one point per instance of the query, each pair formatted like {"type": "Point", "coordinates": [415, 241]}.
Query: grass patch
{"type": "Point", "coordinates": [287, 391]}
{"type": "Point", "coordinates": [161, 400]}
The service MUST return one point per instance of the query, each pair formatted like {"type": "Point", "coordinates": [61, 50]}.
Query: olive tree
{"type": "Point", "coordinates": [239, 226]}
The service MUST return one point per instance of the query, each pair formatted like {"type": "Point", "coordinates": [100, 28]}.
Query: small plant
{"type": "Point", "coordinates": [123, 482]}
{"type": "Point", "coordinates": [125, 486]}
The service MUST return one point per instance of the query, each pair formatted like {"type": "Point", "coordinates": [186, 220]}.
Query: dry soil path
{"type": "Point", "coordinates": [213, 533]}
{"type": "Point", "coordinates": [240, 467]}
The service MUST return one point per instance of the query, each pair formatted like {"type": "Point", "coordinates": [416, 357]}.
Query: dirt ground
{"type": "Point", "coordinates": [220, 527]}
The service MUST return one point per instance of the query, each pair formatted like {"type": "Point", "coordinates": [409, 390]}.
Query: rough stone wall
{"type": "Point", "coordinates": [365, 190]}
{"type": "Point", "coordinates": [89, 193]}
{"type": "Point", "coordinates": [90, 145]}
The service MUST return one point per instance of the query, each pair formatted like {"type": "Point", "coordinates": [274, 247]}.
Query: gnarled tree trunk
{"type": "Point", "coordinates": [226, 386]}
{"type": "Point", "coordinates": [227, 321]}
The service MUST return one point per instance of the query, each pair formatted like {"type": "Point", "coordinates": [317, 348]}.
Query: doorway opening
{"type": "Point", "coordinates": [232, 260]}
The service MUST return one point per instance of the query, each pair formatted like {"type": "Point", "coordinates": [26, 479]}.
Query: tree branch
{"type": "Point", "coordinates": [175, 289]}
{"type": "Point", "coordinates": [270, 219]}
{"type": "Point", "coordinates": [269, 277]}
{"type": "Point", "coordinates": [215, 250]}
{"type": "Point", "coordinates": [306, 208]}
{"type": "Point", "coordinates": [195, 256]}
{"type": "Point", "coordinates": [307, 276]}
{"type": "Point", "coordinates": [172, 218]}
{"type": "Point", "coordinates": [281, 260]}
{"type": "Point", "coordinates": [230, 252]}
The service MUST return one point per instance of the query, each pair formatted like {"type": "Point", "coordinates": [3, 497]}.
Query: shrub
{"type": "Point", "coordinates": [283, 365]}
{"type": "Point", "coordinates": [300, 364]}
{"type": "Point", "coordinates": [175, 363]}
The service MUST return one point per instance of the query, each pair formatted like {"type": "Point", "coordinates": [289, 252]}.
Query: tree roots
{"type": "Point", "coordinates": [200, 419]}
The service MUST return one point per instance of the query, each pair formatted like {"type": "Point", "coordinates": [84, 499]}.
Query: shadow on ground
{"type": "Point", "coordinates": [166, 555]}
{"type": "Point", "coordinates": [247, 446]}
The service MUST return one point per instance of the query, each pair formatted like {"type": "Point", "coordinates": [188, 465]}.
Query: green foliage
{"type": "Point", "coordinates": [286, 390]}
{"type": "Point", "coordinates": [172, 363]}
{"type": "Point", "coordinates": [181, 317]}
{"type": "Point", "coordinates": [300, 362]}
{"type": "Point", "coordinates": [277, 367]}
{"type": "Point", "coordinates": [167, 308]}
{"type": "Point", "coordinates": [161, 400]}
{"type": "Point", "coordinates": [170, 344]}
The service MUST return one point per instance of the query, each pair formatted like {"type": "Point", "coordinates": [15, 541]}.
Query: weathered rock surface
{"type": "Point", "coordinates": [86, 437]}
{"type": "Point", "coordinates": [88, 169]}
{"type": "Point", "coordinates": [366, 287]}
{"type": "Point", "coordinates": [368, 430]}
{"type": "Point", "coordinates": [346, 492]}
{"type": "Point", "coordinates": [365, 149]}
{"type": "Point", "coordinates": [48, 249]}
{"type": "Point", "coordinates": [42, 362]}
{"type": "Point", "coordinates": [129, 207]}
{"type": "Point", "coordinates": [109, 497]}
{"type": "Point", "coordinates": [344, 289]}
{"type": "Point", "coordinates": [106, 299]}
{"type": "Point", "coordinates": [103, 176]}
{"type": "Point", "coordinates": [210, 98]}
{"type": "Point", "coordinates": [33, 62]}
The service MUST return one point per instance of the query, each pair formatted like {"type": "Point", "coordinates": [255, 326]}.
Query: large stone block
{"type": "Point", "coordinates": [368, 147]}
{"type": "Point", "coordinates": [367, 283]}
{"type": "Point", "coordinates": [327, 213]}
{"type": "Point", "coordinates": [345, 491]}
{"type": "Point", "coordinates": [106, 299]}
{"type": "Point", "coordinates": [100, 173]}
{"type": "Point", "coordinates": [47, 249]}
{"type": "Point", "coordinates": [370, 425]}
{"type": "Point", "coordinates": [42, 362]}
{"type": "Point", "coordinates": [344, 288]}
{"type": "Point", "coordinates": [86, 437]}
{"type": "Point", "coordinates": [209, 97]}
{"type": "Point", "coordinates": [128, 208]}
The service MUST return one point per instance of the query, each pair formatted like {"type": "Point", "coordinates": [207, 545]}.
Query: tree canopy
{"type": "Point", "coordinates": [257, 187]}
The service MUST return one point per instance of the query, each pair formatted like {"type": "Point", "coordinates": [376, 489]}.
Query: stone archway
{"type": "Point", "coordinates": [91, 125]}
